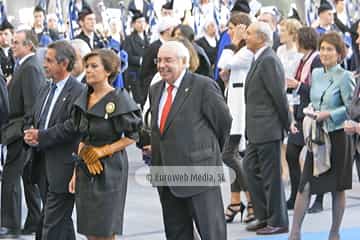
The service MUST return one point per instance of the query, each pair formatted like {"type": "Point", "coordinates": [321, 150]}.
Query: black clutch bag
{"type": "Point", "coordinates": [317, 134]}
{"type": "Point", "coordinates": [145, 133]}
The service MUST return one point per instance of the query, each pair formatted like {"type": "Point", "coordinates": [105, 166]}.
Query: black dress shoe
{"type": "Point", "coordinates": [28, 231]}
{"type": "Point", "coordinates": [269, 230]}
{"type": "Point", "coordinates": [255, 225]}
{"type": "Point", "coordinates": [316, 208]}
{"type": "Point", "coordinates": [6, 233]}
{"type": "Point", "coordinates": [290, 204]}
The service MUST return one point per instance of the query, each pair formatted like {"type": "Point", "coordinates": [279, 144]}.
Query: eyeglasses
{"type": "Point", "coordinates": [165, 60]}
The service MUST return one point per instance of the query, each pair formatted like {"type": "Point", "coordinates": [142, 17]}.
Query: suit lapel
{"type": "Point", "coordinates": [157, 96]}
{"type": "Point", "coordinates": [357, 93]}
{"type": "Point", "coordinates": [249, 75]}
{"type": "Point", "coordinates": [2, 53]}
{"type": "Point", "coordinates": [181, 95]}
{"type": "Point", "coordinates": [43, 96]}
{"type": "Point", "coordinates": [253, 68]}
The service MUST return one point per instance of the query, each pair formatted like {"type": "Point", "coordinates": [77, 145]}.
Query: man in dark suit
{"type": "Point", "coordinates": [190, 121]}
{"type": "Point", "coordinates": [4, 106]}
{"type": "Point", "coordinates": [7, 59]}
{"type": "Point", "coordinates": [148, 66]}
{"type": "Point", "coordinates": [87, 21]}
{"type": "Point", "coordinates": [54, 140]}
{"type": "Point", "coordinates": [4, 102]}
{"type": "Point", "coordinates": [23, 87]}
{"type": "Point", "coordinates": [4, 112]}
{"type": "Point", "coordinates": [267, 118]}
{"type": "Point", "coordinates": [355, 114]}
{"type": "Point", "coordinates": [135, 46]}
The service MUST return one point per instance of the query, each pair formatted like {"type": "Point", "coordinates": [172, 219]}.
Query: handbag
{"type": "Point", "coordinates": [12, 131]}
{"type": "Point", "coordinates": [145, 132]}
{"type": "Point", "coordinates": [317, 133]}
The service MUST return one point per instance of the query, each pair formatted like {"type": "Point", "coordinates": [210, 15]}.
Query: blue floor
{"type": "Point", "coordinates": [346, 234]}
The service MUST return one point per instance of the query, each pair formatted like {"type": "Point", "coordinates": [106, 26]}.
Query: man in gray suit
{"type": "Point", "coordinates": [26, 81]}
{"type": "Point", "coordinates": [190, 122]}
{"type": "Point", "coordinates": [54, 140]}
{"type": "Point", "coordinates": [4, 102]}
{"type": "Point", "coordinates": [4, 111]}
{"type": "Point", "coordinates": [354, 113]}
{"type": "Point", "coordinates": [267, 119]}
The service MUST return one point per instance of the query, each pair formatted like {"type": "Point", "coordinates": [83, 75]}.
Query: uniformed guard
{"type": "Point", "coordinates": [7, 59]}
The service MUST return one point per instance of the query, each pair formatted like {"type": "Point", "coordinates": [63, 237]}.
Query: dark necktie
{"type": "Point", "coordinates": [166, 108]}
{"type": "Point", "coordinates": [46, 107]}
{"type": "Point", "coordinates": [17, 65]}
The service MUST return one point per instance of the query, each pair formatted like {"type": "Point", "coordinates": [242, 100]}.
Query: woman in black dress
{"type": "Point", "coordinates": [108, 120]}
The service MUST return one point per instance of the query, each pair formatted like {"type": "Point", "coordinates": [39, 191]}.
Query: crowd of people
{"type": "Point", "coordinates": [245, 87]}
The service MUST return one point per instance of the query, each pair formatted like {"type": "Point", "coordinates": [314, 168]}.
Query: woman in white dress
{"type": "Point", "coordinates": [235, 63]}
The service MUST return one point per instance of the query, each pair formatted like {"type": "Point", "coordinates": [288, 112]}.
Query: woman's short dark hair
{"type": "Point", "coordinates": [109, 60]}
{"type": "Point", "coordinates": [240, 18]}
{"type": "Point", "coordinates": [335, 39]}
{"type": "Point", "coordinates": [307, 38]}
{"type": "Point", "coordinates": [186, 32]}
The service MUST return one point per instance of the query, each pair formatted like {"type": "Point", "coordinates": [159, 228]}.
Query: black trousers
{"type": "Point", "coordinates": [132, 84]}
{"type": "Point", "coordinates": [232, 159]}
{"type": "Point", "coordinates": [292, 158]}
{"type": "Point", "coordinates": [205, 209]}
{"type": "Point", "coordinates": [262, 165]}
{"type": "Point", "coordinates": [56, 222]}
{"type": "Point", "coordinates": [16, 166]}
{"type": "Point", "coordinates": [357, 162]}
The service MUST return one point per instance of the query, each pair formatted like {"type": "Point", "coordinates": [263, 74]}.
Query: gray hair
{"type": "Point", "coordinates": [81, 45]}
{"type": "Point", "coordinates": [52, 16]}
{"type": "Point", "coordinates": [263, 30]}
{"type": "Point", "coordinates": [64, 51]}
{"type": "Point", "coordinates": [30, 38]}
{"type": "Point", "coordinates": [181, 50]}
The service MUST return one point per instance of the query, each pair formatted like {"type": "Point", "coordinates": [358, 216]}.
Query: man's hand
{"type": "Point", "coordinates": [350, 126]}
{"type": "Point", "coordinates": [293, 128]}
{"type": "Point", "coordinates": [31, 136]}
{"type": "Point", "coordinates": [292, 83]}
{"type": "Point", "coordinates": [358, 128]}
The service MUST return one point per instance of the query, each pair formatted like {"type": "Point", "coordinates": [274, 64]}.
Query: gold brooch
{"type": "Point", "coordinates": [109, 108]}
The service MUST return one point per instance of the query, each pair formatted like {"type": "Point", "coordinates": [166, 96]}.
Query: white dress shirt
{"type": "Point", "coordinates": [259, 52]}
{"type": "Point", "coordinates": [164, 94]}
{"type": "Point", "coordinates": [26, 57]}
{"type": "Point", "coordinates": [59, 87]}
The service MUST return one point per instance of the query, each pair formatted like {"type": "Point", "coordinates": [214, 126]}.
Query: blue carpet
{"type": "Point", "coordinates": [346, 234]}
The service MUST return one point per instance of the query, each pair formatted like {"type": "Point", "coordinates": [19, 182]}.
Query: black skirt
{"type": "Point", "coordinates": [339, 176]}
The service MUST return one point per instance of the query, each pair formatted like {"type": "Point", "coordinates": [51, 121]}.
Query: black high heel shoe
{"type": "Point", "coordinates": [250, 214]}
{"type": "Point", "coordinates": [234, 209]}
